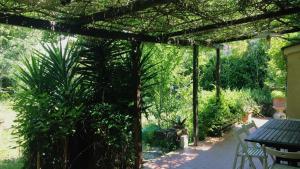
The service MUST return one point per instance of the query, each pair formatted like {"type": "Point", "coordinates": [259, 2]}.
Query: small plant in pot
{"type": "Point", "coordinates": [181, 131]}
{"type": "Point", "coordinates": [279, 103]}
{"type": "Point", "coordinates": [179, 125]}
{"type": "Point", "coordinates": [249, 109]}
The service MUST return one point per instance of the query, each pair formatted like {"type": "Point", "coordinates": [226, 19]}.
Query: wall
{"type": "Point", "coordinates": [293, 80]}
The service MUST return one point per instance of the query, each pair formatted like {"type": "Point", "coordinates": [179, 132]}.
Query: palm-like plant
{"type": "Point", "coordinates": [58, 83]}
{"type": "Point", "coordinates": [106, 77]}
{"type": "Point", "coordinates": [50, 75]}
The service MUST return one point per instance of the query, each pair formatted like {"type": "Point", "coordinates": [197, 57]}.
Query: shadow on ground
{"type": "Point", "coordinates": [214, 153]}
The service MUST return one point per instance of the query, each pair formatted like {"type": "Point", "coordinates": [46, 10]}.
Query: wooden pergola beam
{"type": "Point", "coordinates": [116, 12]}
{"type": "Point", "coordinates": [245, 37]}
{"type": "Point", "coordinates": [288, 11]}
{"type": "Point", "coordinates": [23, 21]}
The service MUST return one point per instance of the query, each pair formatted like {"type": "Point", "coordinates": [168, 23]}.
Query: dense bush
{"type": "Point", "coordinates": [214, 115]}
{"type": "Point", "coordinates": [166, 139]}
{"type": "Point", "coordinates": [75, 106]}
{"type": "Point", "coordinates": [103, 137]}
{"type": "Point", "coordinates": [237, 72]}
{"type": "Point", "coordinates": [263, 98]}
{"type": "Point", "coordinates": [148, 133]}
{"type": "Point", "coordinates": [6, 82]}
{"type": "Point", "coordinates": [4, 95]}
{"type": "Point", "coordinates": [111, 134]}
{"type": "Point", "coordinates": [48, 105]}
{"type": "Point", "coordinates": [277, 71]}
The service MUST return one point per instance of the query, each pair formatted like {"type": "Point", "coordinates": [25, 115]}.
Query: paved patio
{"type": "Point", "coordinates": [214, 153]}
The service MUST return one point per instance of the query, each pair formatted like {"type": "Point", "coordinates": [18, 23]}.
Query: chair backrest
{"type": "Point", "coordinates": [240, 135]}
{"type": "Point", "coordinates": [248, 127]}
{"type": "Point", "coordinates": [285, 155]}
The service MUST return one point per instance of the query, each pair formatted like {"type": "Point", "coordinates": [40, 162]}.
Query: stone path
{"type": "Point", "coordinates": [214, 153]}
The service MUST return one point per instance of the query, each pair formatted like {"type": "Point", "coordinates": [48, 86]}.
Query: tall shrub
{"type": "Point", "coordinates": [48, 105]}
{"type": "Point", "coordinates": [103, 137]}
{"type": "Point", "coordinates": [215, 115]}
{"type": "Point", "coordinates": [237, 72]}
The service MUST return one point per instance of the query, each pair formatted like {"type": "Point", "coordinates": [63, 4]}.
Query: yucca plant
{"type": "Point", "coordinates": [106, 77]}
{"type": "Point", "coordinates": [49, 104]}
{"type": "Point", "coordinates": [106, 68]}
{"type": "Point", "coordinates": [62, 89]}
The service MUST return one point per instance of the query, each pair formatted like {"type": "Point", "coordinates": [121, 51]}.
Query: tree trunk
{"type": "Point", "coordinates": [136, 57]}
{"type": "Point", "coordinates": [195, 94]}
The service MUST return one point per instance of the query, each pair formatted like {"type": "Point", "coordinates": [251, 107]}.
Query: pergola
{"type": "Point", "coordinates": [179, 22]}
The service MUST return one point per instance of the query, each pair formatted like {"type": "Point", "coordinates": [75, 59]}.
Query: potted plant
{"type": "Point", "coordinates": [279, 103]}
{"type": "Point", "coordinates": [181, 131]}
{"type": "Point", "coordinates": [179, 125]}
{"type": "Point", "coordinates": [249, 108]}
{"type": "Point", "coordinates": [247, 114]}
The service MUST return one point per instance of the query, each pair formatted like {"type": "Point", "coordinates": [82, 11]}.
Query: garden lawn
{"type": "Point", "coordinates": [9, 155]}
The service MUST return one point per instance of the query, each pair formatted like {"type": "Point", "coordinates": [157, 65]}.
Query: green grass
{"type": "Point", "coordinates": [11, 164]}
{"type": "Point", "coordinates": [9, 154]}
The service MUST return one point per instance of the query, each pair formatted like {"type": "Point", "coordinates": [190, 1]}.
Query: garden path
{"type": "Point", "coordinates": [213, 153]}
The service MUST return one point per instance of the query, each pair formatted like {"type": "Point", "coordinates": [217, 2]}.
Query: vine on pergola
{"type": "Point", "coordinates": [182, 22]}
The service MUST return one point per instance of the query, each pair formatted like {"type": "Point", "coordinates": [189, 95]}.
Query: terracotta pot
{"type": "Point", "coordinates": [247, 117]}
{"type": "Point", "coordinates": [279, 104]}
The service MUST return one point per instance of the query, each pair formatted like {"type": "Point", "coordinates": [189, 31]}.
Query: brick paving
{"type": "Point", "coordinates": [213, 153]}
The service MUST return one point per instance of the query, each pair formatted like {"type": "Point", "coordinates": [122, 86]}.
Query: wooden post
{"type": "Point", "coordinates": [218, 72]}
{"type": "Point", "coordinates": [38, 160]}
{"type": "Point", "coordinates": [195, 93]}
{"type": "Point", "coordinates": [136, 57]}
{"type": "Point", "coordinates": [66, 144]}
{"type": "Point", "coordinates": [268, 39]}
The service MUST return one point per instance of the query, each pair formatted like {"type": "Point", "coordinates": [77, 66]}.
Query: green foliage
{"type": "Point", "coordinates": [11, 164]}
{"type": "Point", "coordinates": [233, 104]}
{"type": "Point", "coordinates": [148, 133]}
{"type": "Point", "coordinates": [261, 96]}
{"type": "Point", "coordinates": [237, 72]}
{"type": "Point", "coordinates": [215, 116]}
{"type": "Point", "coordinates": [48, 103]}
{"type": "Point", "coordinates": [244, 71]}
{"type": "Point", "coordinates": [277, 94]}
{"type": "Point", "coordinates": [170, 95]}
{"type": "Point", "coordinates": [15, 43]}
{"type": "Point", "coordinates": [4, 95]}
{"type": "Point", "coordinates": [113, 132]}
{"type": "Point", "coordinates": [106, 123]}
{"type": "Point", "coordinates": [276, 65]}
{"type": "Point", "coordinates": [70, 93]}
{"type": "Point", "coordinates": [166, 139]}
{"type": "Point", "coordinates": [179, 123]}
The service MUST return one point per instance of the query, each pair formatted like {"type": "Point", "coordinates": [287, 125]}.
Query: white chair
{"type": "Point", "coordinates": [245, 150]}
{"type": "Point", "coordinates": [248, 127]}
{"type": "Point", "coordinates": [285, 155]}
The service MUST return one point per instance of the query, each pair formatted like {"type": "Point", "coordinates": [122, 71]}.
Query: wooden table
{"type": "Point", "coordinates": [279, 134]}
